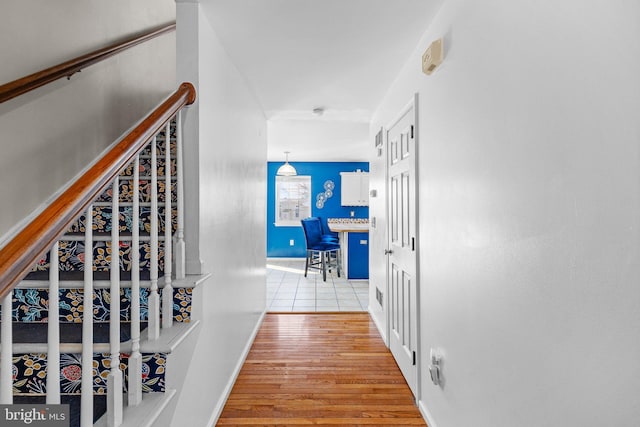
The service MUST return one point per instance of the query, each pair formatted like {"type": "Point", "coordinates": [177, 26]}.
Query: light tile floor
{"type": "Point", "coordinates": [289, 290]}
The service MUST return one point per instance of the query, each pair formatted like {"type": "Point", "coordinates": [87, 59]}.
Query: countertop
{"type": "Point", "coordinates": [348, 225]}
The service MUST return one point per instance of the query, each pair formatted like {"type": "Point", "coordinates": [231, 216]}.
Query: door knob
{"type": "Point", "coordinates": [388, 251]}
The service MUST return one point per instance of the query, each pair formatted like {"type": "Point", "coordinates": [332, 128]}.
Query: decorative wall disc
{"type": "Point", "coordinates": [328, 193]}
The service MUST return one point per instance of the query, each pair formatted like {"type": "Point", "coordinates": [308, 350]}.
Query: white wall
{"type": "Point", "coordinates": [378, 236]}
{"type": "Point", "coordinates": [318, 140]}
{"type": "Point", "coordinates": [227, 184]}
{"type": "Point", "coordinates": [529, 212]}
{"type": "Point", "coordinates": [52, 133]}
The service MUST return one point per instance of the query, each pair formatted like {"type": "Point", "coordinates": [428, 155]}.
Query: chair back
{"type": "Point", "coordinates": [312, 228]}
{"type": "Point", "coordinates": [326, 233]}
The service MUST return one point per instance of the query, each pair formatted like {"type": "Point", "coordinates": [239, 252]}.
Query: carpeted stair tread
{"type": "Point", "coordinates": [36, 332]}
{"type": "Point", "coordinates": [79, 275]}
{"type": "Point", "coordinates": [107, 233]}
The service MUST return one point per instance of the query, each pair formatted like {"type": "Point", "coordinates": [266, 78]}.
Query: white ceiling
{"type": "Point", "coordinates": [341, 55]}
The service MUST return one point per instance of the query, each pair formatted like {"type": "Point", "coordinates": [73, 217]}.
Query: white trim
{"type": "Point", "coordinates": [408, 106]}
{"type": "Point", "coordinates": [217, 410]}
{"type": "Point", "coordinates": [426, 414]}
{"type": "Point", "coordinates": [412, 104]}
{"type": "Point", "coordinates": [416, 137]}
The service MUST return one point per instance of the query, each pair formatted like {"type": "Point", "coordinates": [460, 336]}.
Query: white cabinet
{"type": "Point", "coordinates": [354, 188]}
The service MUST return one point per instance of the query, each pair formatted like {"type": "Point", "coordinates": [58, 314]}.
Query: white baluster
{"type": "Point", "coordinates": [167, 290]}
{"type": "Point", "coordinates": [135, 360]}
{"type": "Point", "coordinates": [86, 398]}
{"type": "Point", "coordinates": [179, 251]}
{"type": "Point", "coordinates": [154, 299]}
{"type": "Point", "coordinates": [53, 324]}
{"type": "Point", "coordinates": [6, 363]}
{"type": "Point", "coordinates": [114, 379]}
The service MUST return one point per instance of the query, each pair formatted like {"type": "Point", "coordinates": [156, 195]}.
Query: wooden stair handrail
{"type": "Point", "coordinates": [19, 255]}
{"type": "Point", "coordinates": [67, 69]}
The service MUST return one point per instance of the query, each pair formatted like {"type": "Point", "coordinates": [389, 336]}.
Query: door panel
{"type": "Point", "coordinates": [403, 308]}
{"type": "Point", "coordinates": [406, 220]}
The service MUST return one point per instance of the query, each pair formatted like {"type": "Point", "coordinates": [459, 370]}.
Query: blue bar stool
{"type": "Point", "coordinates": [322, 253]}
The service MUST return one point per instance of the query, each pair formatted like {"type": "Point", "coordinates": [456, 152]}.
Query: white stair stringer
{"type": "Point", "coordinates": [178, 342]}
{"type": "Point", "coordinates": [150, 410]}
{"type": "Point", "coordinates": [157, 408]}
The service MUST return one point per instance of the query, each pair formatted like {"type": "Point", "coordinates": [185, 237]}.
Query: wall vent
{"type": "Point", "coordinates": [379, 296]}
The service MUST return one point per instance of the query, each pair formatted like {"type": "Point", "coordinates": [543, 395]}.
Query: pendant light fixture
{"type": "Point", "coordinates": [286, 169]}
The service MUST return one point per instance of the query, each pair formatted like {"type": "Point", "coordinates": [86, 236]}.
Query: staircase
{"type": "Point", "coordinates": [112, 367]}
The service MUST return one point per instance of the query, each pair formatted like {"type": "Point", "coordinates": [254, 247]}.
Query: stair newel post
{"type": "Point", "coordinates": [154, 299]}
{"type": "Point", "coordinates": [179, 250]}
{"type": "Point", "coordinates": [6, 362]}
{"type": "Point", "coordinates": [135, 360]}
{"type": "Point", "coordinates": [86, 398]}
{"type": "Point", "coordinates": [53, 325]}
{"type": "Point", "coordinates": [114, 379]}
{"type": "Point", "coordinates": [167, 290]}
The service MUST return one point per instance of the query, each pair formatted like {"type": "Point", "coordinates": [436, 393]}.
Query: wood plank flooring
{"type": "Point", "coordinates": [319, 369]}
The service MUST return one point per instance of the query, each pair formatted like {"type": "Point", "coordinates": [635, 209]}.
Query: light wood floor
{"type": "Point", "coordinates": [319, 369]}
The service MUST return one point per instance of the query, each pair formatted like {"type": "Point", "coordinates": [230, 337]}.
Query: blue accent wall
{"type": "Point", "coordinates": [278, 237]}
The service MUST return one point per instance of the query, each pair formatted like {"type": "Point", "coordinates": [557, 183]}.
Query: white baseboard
{"type": "Point", "coordinates": [381, 330]}
{"type": "Point", "coordinates": [227, 390]}
{"type": "Point", "coordinates": [426, 414]}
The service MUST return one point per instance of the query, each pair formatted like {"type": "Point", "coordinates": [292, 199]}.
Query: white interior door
{"type": "Point", "coordinates": [402, 249]}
